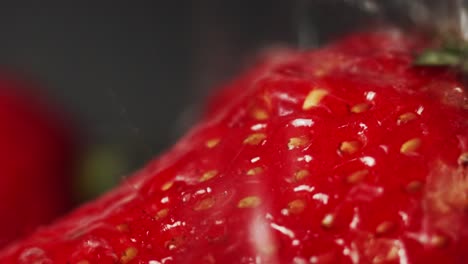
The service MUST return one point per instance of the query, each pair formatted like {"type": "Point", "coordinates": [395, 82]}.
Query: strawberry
{"type": "Point", "coordinates": [35, 159]}
{"type": "Point", "coordinates": [346, 154]}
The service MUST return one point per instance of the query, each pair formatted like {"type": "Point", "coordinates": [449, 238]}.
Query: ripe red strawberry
{"type": "Point", "coordinates": [35, 160]}
{"type": "Point", "coordinates": [347, 154]}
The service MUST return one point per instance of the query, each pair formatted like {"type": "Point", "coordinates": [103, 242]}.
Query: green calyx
{"type": "Point", "coordinates": [452, 53]}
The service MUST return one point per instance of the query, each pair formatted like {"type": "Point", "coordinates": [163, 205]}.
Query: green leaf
{"type": "Point", "coordinates": [441, 57]}
{"type": "Point", "coordinates": [455, 45]}
{"type": "Point", "coordinates": [464, 66]}
{"type": "Point", "coordinates": [101, 169]}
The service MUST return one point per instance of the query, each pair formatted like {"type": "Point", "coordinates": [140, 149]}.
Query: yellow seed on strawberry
{"type": "Point", "coordinates": [438, 241]}
{"type": "Point", "coordinates": [296, 142]}
{"type": "Point", "coordinates": [162, 213]}
{"type": "Point", "coordinates": [301, 174]}
{"type": "Point", "coordinates": [349, 147]}
{"type": "Point", "coordinates": [357, 176]}
{"type": "Point", "coordinates": [122, 228]}
{"type": "Point", "coordinates": [254, 139]}
{"type": "Point", "coordinates": [384, 228]}
{"type": "Point", "coordinates": [129, 254]}
{"type": "Point", "coordinates": [414, 186]}
{"type": "Point", "coordinates": [167, 186]}
{"type": "Point", "coordinates": [211, 143]}
{"type": "Point", "coordinates": [255, 171]}
{"type": "Point", "coordinates": [204, 204]}
{"type": "Point", "coordinates": [328, 220]}
{"type": "Point", "coordinates": [463, 159]}
{"type": "Point", "coordinates": [174, 242]}
{"type": "Point", "coordinates": [259, 114]}
{"type": "Point", "coordinates": [296, 206]}
{"type": "Point", "coordinates": [360, 108]}
{"type": "Point", "coordinates": [249, 202]}
{"type": "Point", "coordinates": [208, 175]}
{"type": "Point", "coordinates": [314, 98]}
{"type": "Point", "coordinates": [406, 117]}
{"type": "Point", "coordinates": [411, 146]}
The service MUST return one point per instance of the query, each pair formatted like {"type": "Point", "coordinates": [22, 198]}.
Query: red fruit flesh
{"type": "Point", "coordinates": [347, 154]}
{"type": "Point", "coordinates": [35, 162]}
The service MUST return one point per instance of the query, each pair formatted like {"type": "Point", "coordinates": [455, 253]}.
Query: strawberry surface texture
{"type": "Point", "coordinates": [344, 154]}
{"type": "Point", "coordinates": [36, 156]}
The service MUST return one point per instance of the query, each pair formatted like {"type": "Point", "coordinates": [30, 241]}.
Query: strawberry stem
{"type": "Point", "coordinates": [438, 58]}
{"type": "Point", "coordinates": [452, 53]}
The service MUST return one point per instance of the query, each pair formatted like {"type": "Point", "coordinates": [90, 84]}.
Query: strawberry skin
{"type": "Point", "coordinates": [35, 161]}
{"type": "Point", "coordinates": [346, 154]}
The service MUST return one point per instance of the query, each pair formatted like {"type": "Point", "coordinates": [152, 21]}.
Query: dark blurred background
{"type": "Point", "coordinates": [133, 73]}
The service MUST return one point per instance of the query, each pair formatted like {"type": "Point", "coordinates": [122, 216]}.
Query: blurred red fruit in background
{"type": "Point", "coordinates": [37, 155]}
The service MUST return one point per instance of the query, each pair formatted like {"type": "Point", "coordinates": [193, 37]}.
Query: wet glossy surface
{"type": "Point", "coordinates": [343, 155]}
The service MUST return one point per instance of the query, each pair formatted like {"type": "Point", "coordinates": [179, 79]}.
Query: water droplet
{"type": "Point", "coordinates": [404, 217]}
{"type": "Point", "coordinates": [174, 225]}
{"type": "Point", "coordinates": [368, 161]}
{"type": "Point", "coordinates": [258, 127]}
{"type": "Point", "coordinates": [34, 255]}
{"type": "Point", "coordinates": [321, 197]}
{"type": "Point", "coordinates": [174, 242]}
{"type": "Point", "coordinates": [165, 200]}
{"type": "Point", "coordinates": [283, 230]}
{"type": "Point", "coordinates": [253, 160]}
{"type": "Point", "coordinates": [356, 219]}
{"type": "Point", "coordinates": [420, 110]}
{"type": "Point", "coordinates": [370, 95]}
{"type": "Point", "coordinates": [306, 158]}
{"type": "Point", "coordinates": [302, 122]}
{"type": "Point", "coordinates": [304, 187]}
